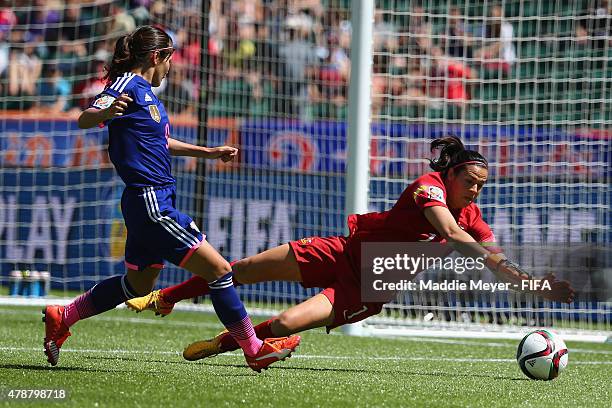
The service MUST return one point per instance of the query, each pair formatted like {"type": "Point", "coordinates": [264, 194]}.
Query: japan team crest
{"type": "Point", "coordinates": [155, 113]}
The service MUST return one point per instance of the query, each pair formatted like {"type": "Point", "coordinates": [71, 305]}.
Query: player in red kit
{"type": "Point", "coordinates": [437, 207]}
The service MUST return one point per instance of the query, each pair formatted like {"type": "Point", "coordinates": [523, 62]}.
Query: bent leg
{"type": "Point", "coordinates": [276, 264]}
{"type": "Point", "coordinates": [207, 263]}
{"type": "Point", "coordinates": [312, 313]}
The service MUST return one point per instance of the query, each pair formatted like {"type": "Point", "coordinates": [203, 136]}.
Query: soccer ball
{"type": "Point", "coordinates": [542, 355]}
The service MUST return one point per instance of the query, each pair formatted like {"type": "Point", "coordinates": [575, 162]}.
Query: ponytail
{"type": "Point", "coordinates": [453, 154]}
{"type": "Point", "coordinates": [122, 60]}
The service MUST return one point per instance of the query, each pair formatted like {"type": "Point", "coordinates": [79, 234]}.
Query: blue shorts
{"type": "Point", "coordinates": [157, 231]}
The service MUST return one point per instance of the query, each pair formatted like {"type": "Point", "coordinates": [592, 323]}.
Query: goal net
{"type": "Point", "coordinates": [526, 83]}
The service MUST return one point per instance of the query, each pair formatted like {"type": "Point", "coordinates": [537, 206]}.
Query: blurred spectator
{"type": "Point", "coordinates": [420, 32]}
{"type": "Point", "coordinates": [139, 9]}
{"type": "Point", "coordinates": [380, 78]}
{"type": "Point", "coordinates": [299, 57]}
{"type": "Point", "coordinates": [266, 52]}
{"type": "Point", "coordinates": [601, 20]}
{"type": "Point", "coordinates": [181, 92]}
{"type": "Point", "coordinates": [76, 23]}
{"type": "Point", "coordinates": [385, 33]}
{"type": "Point", "coordinates": [43, 19]}
{"type": "Point", "coordinates": [338, 58]}
{"type": "Point", "coordinates": [498, 54]}
{"type": "Point", "coordinates": [268, 68]}
{"type": "Point", "coordinates": [447, 80]}
{"type": "Point", "coordinates": [270, 57]}
{"type": "Point", "coordinates": [240, 46]}
{"type": "Point", "coordinates": [328, 91]}
{"type": "Point", "coordinates": [91, 86]}
{"type": "Point", "coordinates": [274, 17]}
{"type": "Point", "coordinates": [7, 17]}
{"type": "Point", "coordinates": [70, 56]}
{"type": "Point", "coordinates": [24, 68]}
{"type": "Point", "coordinates": [232, 94]}
{"type": "Point", "coordinates": [458, 41]}
{"type": "Point", "coordinates": [7, 20]}
{"type": "Point", "coordinates": [415, 84]}
{"type": "Point", "coordinates": [123, 22]}
{"type": "Point", "coordinates": [54, 90]}
{"type": "Point", "coordinates": [409, 97]}
{"type": "Point", "coordinates": [581, 36]}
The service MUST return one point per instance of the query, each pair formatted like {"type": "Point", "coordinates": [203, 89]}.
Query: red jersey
{"type": "Point", "coordinates": [406, 222]}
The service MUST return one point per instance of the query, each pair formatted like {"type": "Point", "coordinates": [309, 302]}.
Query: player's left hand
{"type": "Point", "coordinates": [560, 290]}
{"type": "Point", "coordinates": [225, 153]}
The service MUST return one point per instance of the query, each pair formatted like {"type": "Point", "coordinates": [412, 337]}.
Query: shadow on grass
{"type": "Point", "coordinates": [135, 360]}
{"type": "Point", "coordinates": [32, 367]}
{"type": "Point", "coordinates": [217, 363]}
{"type": "Point", "coordinates": [375, 371]}
{"type": "Point", "coordinates": [36, 367]}
{"type": "Point", "coordinates": [166, 362]}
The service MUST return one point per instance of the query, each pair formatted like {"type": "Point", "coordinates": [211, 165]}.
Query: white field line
{"type": "Point", "coordinates": [299, 356]}
{"type": "Point", "coordinates": [177, 323]}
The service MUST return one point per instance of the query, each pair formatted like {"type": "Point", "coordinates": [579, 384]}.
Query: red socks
{"type": "Point", "coordinates": [192, 287]}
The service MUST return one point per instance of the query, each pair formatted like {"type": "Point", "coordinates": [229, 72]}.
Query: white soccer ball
{"type": "Point", "coordinates": [542, 355]}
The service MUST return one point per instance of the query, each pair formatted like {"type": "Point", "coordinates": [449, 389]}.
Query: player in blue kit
{"type": "Point", "coordinates": [140, 147]}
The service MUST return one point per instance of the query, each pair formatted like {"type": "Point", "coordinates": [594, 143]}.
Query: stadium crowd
{"type": "Point", "coordinates": [287, 58]}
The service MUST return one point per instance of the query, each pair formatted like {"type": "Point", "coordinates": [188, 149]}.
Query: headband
{"type": "Point", "coordinates": [471, 162]}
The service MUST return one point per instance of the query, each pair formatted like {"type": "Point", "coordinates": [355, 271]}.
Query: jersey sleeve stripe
{"type": "Point", "coordinates": [118, 82]}
{"type": "Point", "coordinates": [129, 78]}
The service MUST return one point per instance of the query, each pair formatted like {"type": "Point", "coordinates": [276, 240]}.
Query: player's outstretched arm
{"type": "Point", "coordinates": [554, 289]}
{"type": "Point", "coordinates": [443, 221]}
{"type": "Point", "coordinates": [178, 148]}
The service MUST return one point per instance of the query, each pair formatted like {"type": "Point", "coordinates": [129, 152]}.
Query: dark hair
{"type": "Point", "coordinates": [131, 50]}
{"type": "Point", "coordinates": [453, 154]}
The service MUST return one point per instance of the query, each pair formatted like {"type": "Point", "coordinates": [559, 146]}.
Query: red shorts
{"type": "Point", "coordinates": [324, 263]}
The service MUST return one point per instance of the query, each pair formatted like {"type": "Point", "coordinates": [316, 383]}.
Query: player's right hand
{"type": "Point", "coordinates": [118, 106]}
{"type": "Point", "coordinates": [560, 290]}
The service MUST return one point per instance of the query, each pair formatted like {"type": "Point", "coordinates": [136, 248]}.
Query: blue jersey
{"type": "Point", "coordinates": [138, 140]}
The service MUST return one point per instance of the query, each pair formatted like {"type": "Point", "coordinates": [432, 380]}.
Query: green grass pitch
{"type": "Point", "coordinates": [124, 359]}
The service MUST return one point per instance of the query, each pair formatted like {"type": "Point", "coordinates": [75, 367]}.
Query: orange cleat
{"type": "Point", "coordinates": [56, 332]}
{"type": "Point", "coordinates": [273, 350]}
{"type": "Point", "coordinates": [205, 348]}
{"type": "Point", "coordinates": [154, 301]}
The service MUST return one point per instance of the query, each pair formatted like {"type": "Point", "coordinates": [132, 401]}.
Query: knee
{"type": "Point", "coordinates": [222, 269]}
{"type": "Point", "coordinates": [285, 321]}
{"type": "Point", "coordinates": [240, 269]}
